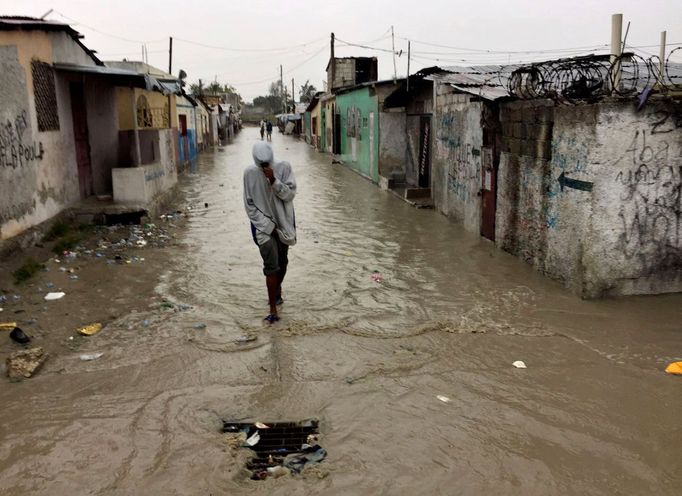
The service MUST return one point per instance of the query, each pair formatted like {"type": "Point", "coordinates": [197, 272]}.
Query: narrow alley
{"type": "Point", "coordinates": [387, 308]}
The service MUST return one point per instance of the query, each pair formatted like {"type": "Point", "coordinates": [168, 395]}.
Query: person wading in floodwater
{"type": "Point", "coordinates": [262, 129]}
{"type": "Point", "coordinates": [269, 191]}
{"type": "Point", "coordinates": [268, 129]}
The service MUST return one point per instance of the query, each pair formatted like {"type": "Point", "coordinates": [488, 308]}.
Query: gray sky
{"type": "Point", "coordinates": [257, 36]}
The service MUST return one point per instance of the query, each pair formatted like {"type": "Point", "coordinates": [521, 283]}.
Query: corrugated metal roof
{"type": "Point", "coordinates": [122, 76]}
{"type": "Point", "coordinates": [486, 81]}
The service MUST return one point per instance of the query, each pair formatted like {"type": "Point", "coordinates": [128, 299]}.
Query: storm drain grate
{"type": "Point", "coordinates": [287, 445]}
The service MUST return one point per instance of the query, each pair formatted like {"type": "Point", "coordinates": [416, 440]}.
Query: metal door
{"type": "Point", "coordinates": [424, 171]}
{"type": "Point", "coordinates": [80, 136]}
{"type": "Point", "coordinates": [372, 165]}
{"type": "Point", "coordinates": [184, 149]}
{"type": "Point", "coordinates": [488, 194]}
{"type": "Point", "coordinates": [337, 134]}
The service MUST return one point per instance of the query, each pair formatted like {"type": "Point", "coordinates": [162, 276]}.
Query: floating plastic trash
{"type": "Point", "coordinates": [7, 326]}
{"type": "Point", "coordinates": [444, 399]}
{"type": "Point", "coordinates": [91, 329]}
{"type": "Point", "coordinates": [519, 364]}
{"type": "Point", "coordinates": [54, 296]}
{"type": "Point", "coordinates": [253, 440]}
{"type": "Point", "coordinates": [90, 357]}
{"type": "Point", "coordinates": [674, 368]}
{"type": "Point", "coordinates": [261, 425]}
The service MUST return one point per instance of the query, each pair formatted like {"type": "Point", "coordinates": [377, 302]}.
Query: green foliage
{"type": "Point", "coordinates": [27, 270]}
{"type": "Point", "coordinates": [58, 230]}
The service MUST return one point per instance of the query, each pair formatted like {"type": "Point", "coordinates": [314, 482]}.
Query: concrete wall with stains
{"type": "Point", "coordinates": [456, 156]}
{"type": "Point", "coordinates": [37, 168]}
{"type": "Point", "coordinates": [590, 194]}
{"type": "Point", "coordinates": [635, 242]}
{"type": "Point", "coordinates": [391, 143]}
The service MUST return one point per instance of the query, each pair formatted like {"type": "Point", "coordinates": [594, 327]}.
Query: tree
{"type": "Point", "coordinates": [197, 88]}
{"type": "Point", "coordinates": [307, 92]}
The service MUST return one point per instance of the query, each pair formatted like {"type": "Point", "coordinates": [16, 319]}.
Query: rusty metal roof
{"type": "Point", "coordinates": [487, 81]}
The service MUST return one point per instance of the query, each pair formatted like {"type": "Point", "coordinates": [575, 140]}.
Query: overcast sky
{"type": "Point", "coordinates": [253, 37]}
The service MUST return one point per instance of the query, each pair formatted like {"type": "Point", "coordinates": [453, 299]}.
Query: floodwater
{"type": "Point", "coordinates": [593, 413]}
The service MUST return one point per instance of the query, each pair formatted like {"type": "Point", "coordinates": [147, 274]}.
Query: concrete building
{"type": "Point", "coordinates": [588, 193]}
{"type": "Point", "coordinates": [345, 72]}
{"type": "Point", "coordinates": [60, 138]}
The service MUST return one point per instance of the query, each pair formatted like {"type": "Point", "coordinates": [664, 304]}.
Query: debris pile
{"type": "Point", "coordinates": [281, 449]}
{"type": "Point", "coordinates": [24, 363]}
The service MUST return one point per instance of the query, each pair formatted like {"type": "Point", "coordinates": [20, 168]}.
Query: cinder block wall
{"type": "Point", "coordinates": [590, 194]}
{"type": "Point", "coordinates": [456, 157]}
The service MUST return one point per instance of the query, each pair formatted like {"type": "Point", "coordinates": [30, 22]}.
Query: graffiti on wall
{"type": "Point", "coordinates": [464, 176]}
{"type": "Point", "coordinates": [16, 149]}
{"type": "Point", "coordinates": [649, 175]}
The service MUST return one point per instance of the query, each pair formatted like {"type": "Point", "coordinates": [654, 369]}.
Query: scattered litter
{"type": "Point", "coordinates": [519, 364]}
{"type": "Point", "coordinates": [278, 471]}
{"type": "Point", "coordinates": [253, 440]}
{"type": "Point", "coordinates": [199, 326]}
{"type": "Point", "coordinates": [674, 368]}
{"type": "Point", "coordinates": [73, 277]}
{"type": "Point", "coordinates": [49, 285]}
{"type": "Point", "coordinates": [90, 357]}
{"type": "Point", "coordinates": [183, 307]}
{"type": "Point", "coordinates": [25, 363]}
{"type": "Point", "coordinates": [236, 440]}
{"type": "Point", "coordinates": [91, 329]}
{"type": "Point", "coordinates": [444, 399]}
{"type": "Point", "coordinates": [246, 339]}
{"type": "Point", "coordinates": [167, 304]}
{"type": "Point", "coordinates": [261, 425]}
{"type": "Point", "coordinates": [54, 296]}
{"type": "Point", "coordinates": [376, 277]}
{"type": "Point", "coordinates": [7, 326]}
{"type": "Point", "coordinates": [310, 455]}
{"type": "Point", "coordinates": [145, 323]}
{"type": "Point", "coordinates": [206, 205]}
{"type": "Point", "coordinates": [19, 336]}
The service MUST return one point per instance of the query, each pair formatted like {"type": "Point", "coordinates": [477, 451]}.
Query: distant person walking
{"type": "Point", "coordinates": [262, 129]}
{"type": "Point", "coordinates": [268, 128]}
{"type": "Point", "coordinates": [269, 191]}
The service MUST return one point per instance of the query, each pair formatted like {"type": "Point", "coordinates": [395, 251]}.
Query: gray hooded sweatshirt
{"type": "Point", "coordinates": [270, 206]}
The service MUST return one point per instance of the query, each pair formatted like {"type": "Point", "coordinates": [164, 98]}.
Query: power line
{"type": "Point", "coordinates": [230, 49]}
{"type": "Point", "coordinates": [104, 33]}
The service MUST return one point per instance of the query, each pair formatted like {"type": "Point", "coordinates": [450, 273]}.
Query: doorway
{"type": "Point", "coordinates": [81, 139]}
{"type": "Point", "coordinates": [488, 193]}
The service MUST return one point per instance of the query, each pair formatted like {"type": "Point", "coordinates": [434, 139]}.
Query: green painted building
{"type": "Point", "coordinates": [358, 110]}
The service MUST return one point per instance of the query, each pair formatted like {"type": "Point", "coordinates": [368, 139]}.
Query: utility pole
{"type": "Point", "coordinates": [281, 88]}
{"type": "Point", "coordinates": [408, 66]}
{"type": "Point", "coordinates": [616, 47]}
{"type": "Point", "coordinates": [333, 63]}
{"type": "Point", "coordinates": [395, 70]}
{"type": "Point", "coordinates": [293, 97]}
{"type": "Point", "coordinates": [170, 56]}
{"type": "Point", "coordinates": [661, 57]}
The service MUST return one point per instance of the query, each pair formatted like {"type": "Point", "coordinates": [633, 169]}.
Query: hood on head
{"type": "Point", "coordinates": [262, 153]}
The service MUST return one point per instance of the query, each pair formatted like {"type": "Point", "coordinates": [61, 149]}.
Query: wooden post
{"type": "Point", "coordinates": [408, 66]}
{"type": "Point", "coordinates": [170, 56]}
{"type": "Point", "coordinates": [333, 65]}
{"type": "Point", "coordinates": [137, 159]}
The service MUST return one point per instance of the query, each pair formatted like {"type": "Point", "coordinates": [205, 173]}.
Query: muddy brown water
{"type": "Point", "coordinates": [592, 414]}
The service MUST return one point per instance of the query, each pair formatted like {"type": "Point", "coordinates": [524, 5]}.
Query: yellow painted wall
{"type": "Point", "coordinates": [125, 98]}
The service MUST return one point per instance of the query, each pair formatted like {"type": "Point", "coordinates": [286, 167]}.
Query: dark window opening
{"type": "Point", "coordinates": [45, 96]}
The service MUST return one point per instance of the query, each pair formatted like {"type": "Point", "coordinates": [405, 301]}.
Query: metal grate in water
{"type": "Point", "coordinates": [277, 441]}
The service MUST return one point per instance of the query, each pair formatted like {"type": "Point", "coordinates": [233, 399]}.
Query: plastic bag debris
{"type": "Point", "coordinates": [7, 326]}
{"type": "Point", "coordinates": [19, 336]}
{"type": "Point", "coordinates": [253, 440]}
{"type": "Point", "coordinates": [444, 399]}
{"type": "Point", "coordinates": [519, 364]}
{"type": "Point", "coordinates": [54, 296]}
{"type": "Point", "coordinates": [376, 277]}
{"type": "Point", "coordinates": [311, 455]}
{"type": "Point", "coordinates": [261, 425]}
{"type": "Point", "coordinates": [199, 326]}
{"type": "Point", "coordinates": [90, 357]}
{"type": "Point", "coordinates": [91, 329]}
{"type": "Point", "coordinates": [674, 368]}
{"type": "Point", "coordinates": [245, 339]}
{"type": "Point", "coordinates": [278, 471]}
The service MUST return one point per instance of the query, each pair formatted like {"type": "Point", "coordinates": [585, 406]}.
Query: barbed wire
{"type": "Point", "coordinates": [591, 77]}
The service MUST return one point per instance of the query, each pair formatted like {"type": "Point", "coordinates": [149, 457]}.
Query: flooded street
{"type": "Point", "coordinates": [593, 414]}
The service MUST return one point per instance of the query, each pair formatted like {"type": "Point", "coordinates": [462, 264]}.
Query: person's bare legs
{"type": "Point", "coordinates": [280, 280]}
{"type": "Point", "coordinates": [273, 285]}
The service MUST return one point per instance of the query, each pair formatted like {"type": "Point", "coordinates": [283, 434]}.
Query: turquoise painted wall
{"type": "Point", "coordinates": [355, 107]}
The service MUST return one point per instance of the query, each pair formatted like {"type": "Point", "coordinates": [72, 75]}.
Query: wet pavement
{"type": "Point", "coordinates": [592, 414]}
